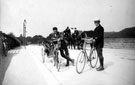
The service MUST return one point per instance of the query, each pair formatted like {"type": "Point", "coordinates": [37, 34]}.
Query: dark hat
{"type": "Point", "coordinates": [55, 28]}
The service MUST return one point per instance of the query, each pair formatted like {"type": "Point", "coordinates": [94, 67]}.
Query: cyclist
{"type": "Point", "coordinates": [63, 48]}
{"type": "Point", "coordinates": [99, 42]}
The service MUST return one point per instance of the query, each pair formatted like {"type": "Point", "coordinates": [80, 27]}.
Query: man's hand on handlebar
{"type": "Point", "coordinates": [89, 40]}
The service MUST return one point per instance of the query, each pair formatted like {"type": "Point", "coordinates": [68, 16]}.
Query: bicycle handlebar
{"type": "Point", "coordinates": [55, 40]}
{"type": "Point", "coordinates": [88, 40]}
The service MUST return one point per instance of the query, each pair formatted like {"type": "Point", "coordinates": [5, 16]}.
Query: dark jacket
{"type": "Point", "coordinates": [99, 37]}
{"type": "Point", "coordinates": [67, 31]}
{"type": "Point", "coordinates": [56, 36]}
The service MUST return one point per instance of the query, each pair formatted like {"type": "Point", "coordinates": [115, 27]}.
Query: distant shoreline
{"type": "Point", "coordinates": [119, 43]}
{"type": "Point", "coordinates": [119, 48]}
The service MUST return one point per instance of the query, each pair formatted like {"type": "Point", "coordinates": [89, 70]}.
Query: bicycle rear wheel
{"type": "Point", "coordinates": [80, 63]}
{"type": "Point", "coordinates": [93, 58]}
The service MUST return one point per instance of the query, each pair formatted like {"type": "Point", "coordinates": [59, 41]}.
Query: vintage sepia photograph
{"type": "Point", "coordinates": [67, 42]}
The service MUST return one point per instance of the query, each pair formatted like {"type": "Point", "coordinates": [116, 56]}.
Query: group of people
{"type": "Point", "coordinates": [74, 39]}
{"type": "Point", "coordinates": [7, 42]}
{"type": "Point", "coordinates": [3, 44]}
{"type": "Point", "coordinates": [98, 37]}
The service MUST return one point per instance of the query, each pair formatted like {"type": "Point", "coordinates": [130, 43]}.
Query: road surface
{"type": "Point", "coordinates": [24, 67]}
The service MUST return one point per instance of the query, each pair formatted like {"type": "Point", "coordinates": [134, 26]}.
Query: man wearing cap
{"type": "Point", "coordinates": [99, 42]}
{"type": "Point", "coordinates": [63, 49]}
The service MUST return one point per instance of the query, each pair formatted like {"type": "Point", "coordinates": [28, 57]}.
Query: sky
{"type": "Point", "coordinates": [43, 15]}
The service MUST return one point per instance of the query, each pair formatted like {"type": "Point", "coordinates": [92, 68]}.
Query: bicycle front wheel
{"type": "Point", "coordinates": [80, 63]}
{"type": "Point", "coordinates": [58, 62]}
{"type": "Point", "coordinates": [93, 58]}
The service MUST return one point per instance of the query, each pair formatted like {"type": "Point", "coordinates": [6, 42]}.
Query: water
{"type": "Point", "coordinates": [119, 43]}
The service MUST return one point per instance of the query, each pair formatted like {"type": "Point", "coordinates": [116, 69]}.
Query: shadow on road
{"type": "Point", "coordinates": [108, 64]}
{"type": "Point", "coordinates": [5, 62]}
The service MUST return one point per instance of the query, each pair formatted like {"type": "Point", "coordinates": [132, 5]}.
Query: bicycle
{"type": "Point", "coordinates": [83, 57]}
{"type": "Point", "coordinates": [55, 45]}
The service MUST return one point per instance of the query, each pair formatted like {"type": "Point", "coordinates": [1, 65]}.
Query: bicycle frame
{"type": "Point", "coordinates": [54, 52]}
{"type": "Point", "coordinates": [5, 48]}
{"type": "Point", "coordinates": [84, 49]}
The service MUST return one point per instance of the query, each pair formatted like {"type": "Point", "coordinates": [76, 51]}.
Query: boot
{"type": "Point", "coordinates": [101, 65]}
{"type": "Point", "coordinates": [67, 64]}
{"type": "Point", "coordinates": [102, 62]}
{"type": "Point", "coordinates": [100, 68]}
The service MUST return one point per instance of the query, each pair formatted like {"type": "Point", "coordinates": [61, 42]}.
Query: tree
{"type": "Point", "coordinates": [11, 35]}
{"type": "Point", "coordinates": [20, 38]}
{"type": "Point", "coordinates": [37, 39]}
{"type": "Point", "coordinates": [11, 40]}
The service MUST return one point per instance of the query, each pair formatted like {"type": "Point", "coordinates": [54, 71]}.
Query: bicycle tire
{"type": "Point", "coordinates": [58, 62]}
{"type": "Point", "coordinates": [93, 58]}
{"type": "Point", "coordinates": [82, 60]}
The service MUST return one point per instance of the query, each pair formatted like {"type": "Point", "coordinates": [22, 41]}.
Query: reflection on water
{"type": "Point", "coordinates": [120, 43]}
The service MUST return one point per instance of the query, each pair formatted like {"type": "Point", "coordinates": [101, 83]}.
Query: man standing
{"type": "Point", "coordinates": [99, 42]}
{"type": "Point", "coordinates": [67, 31]}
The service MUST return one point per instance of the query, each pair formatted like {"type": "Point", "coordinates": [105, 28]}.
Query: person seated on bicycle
{"type": "Point", "coordinates": [63, 48]}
